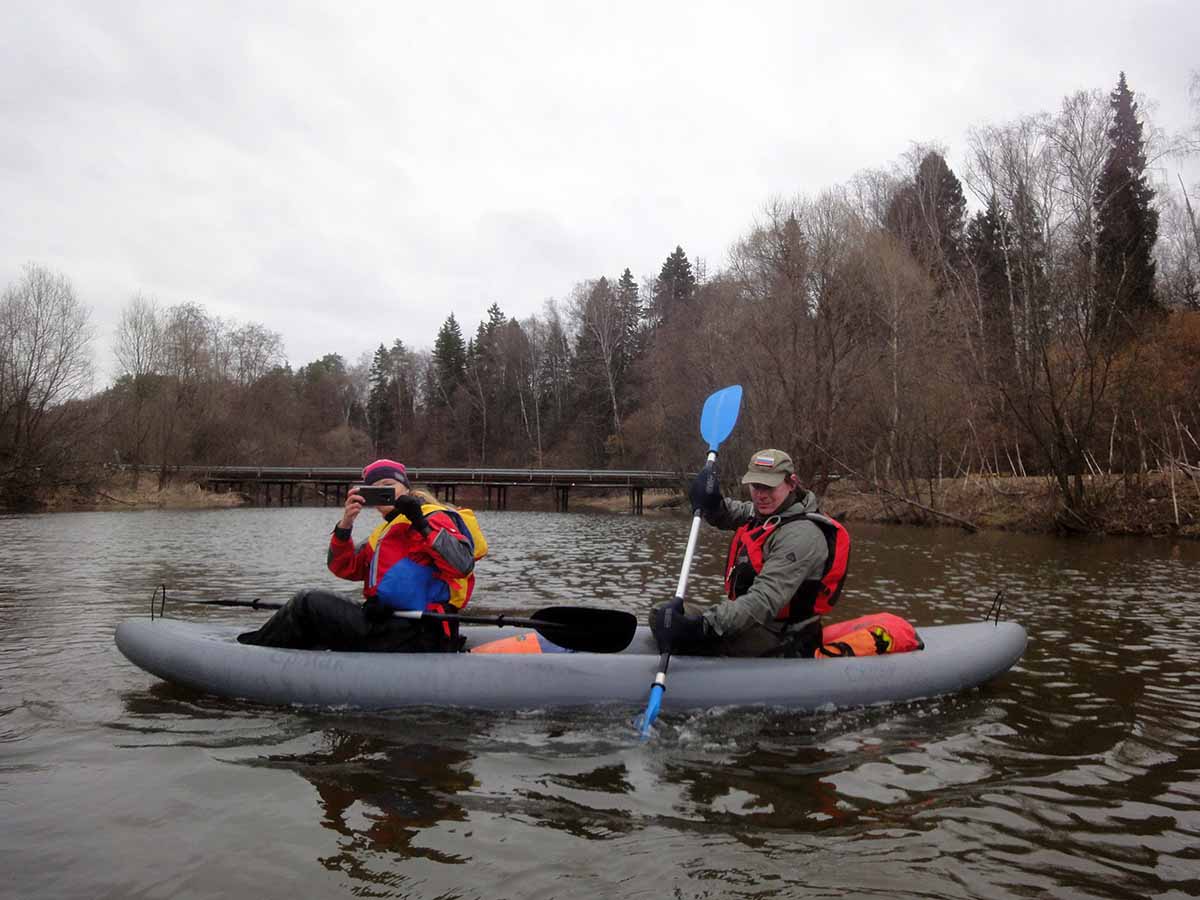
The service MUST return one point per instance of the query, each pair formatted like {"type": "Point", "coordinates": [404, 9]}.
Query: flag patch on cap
{"type": "Point", "coordinates": [764, 459]}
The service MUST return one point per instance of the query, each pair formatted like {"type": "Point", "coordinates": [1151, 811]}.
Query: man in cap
{"type": "Point", "coordinates": [785, 569]}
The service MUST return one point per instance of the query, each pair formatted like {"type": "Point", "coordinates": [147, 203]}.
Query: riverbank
{"type": "Point", "coordinates": [133, 492]}
{"type": "Point", "coordinates": [1152, 505]}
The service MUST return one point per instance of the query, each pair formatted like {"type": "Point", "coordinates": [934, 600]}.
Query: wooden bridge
{"type": "Point", "coordinates": [294, 486]}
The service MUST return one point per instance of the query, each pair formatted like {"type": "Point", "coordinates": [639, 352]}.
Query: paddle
{"type": "Point", "coordinates": [574, 627]}
{"type": "Point", "coordinates": [716, 422]}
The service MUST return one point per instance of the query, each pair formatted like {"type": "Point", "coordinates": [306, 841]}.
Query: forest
{"type": "Point", "coordinates": [1036, 313]}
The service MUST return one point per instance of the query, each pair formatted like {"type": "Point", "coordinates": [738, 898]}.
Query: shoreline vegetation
{"type": "Point", "coordinates": [1159, 505]}
{"type": "Point", "coordinates": [1037, 316]}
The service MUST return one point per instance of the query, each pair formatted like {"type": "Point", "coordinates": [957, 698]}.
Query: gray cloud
{"type": "Point", "coordinates": [316, 167]}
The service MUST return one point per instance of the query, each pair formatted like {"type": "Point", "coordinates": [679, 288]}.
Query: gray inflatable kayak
{"type": "Point", "coordinates": [208, 658]}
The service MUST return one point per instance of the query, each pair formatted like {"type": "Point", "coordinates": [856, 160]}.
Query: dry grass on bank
{"type": "Point", "coordinates": [123, 492]}
{"type": "Point", "coordinates": [1145, 506]}
{"type": "Point", "coordinates": [1149, 505]}
{"type": "Point", "coordinates": [654, 502]}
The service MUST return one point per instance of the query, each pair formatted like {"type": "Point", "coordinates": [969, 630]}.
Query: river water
{"type": "Point", "coordinates": [1077, 774]}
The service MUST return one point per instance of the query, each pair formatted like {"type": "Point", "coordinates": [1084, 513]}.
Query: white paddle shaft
{"type": "Point", "coordinates": [691, 544]}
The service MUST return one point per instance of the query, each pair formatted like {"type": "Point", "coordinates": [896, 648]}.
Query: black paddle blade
{"type": "Point", "coordinates": [584, 629]}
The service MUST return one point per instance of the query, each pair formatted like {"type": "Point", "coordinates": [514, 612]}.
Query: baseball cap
{"type": "Point", "coordinates": [769, 467]}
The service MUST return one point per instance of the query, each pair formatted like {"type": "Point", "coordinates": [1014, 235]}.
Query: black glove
{"type": "Point", "coordinates": [375, 611]}
{"type": "Point", "coordinates": [706, 491]}
{"type": "Point", "coordinates": [672, 627]}
{"type": "Point", "coordinates": [410, 507]}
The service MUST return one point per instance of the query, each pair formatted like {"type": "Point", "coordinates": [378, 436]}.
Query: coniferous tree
{"type": "Point", "coordinates": [1027, 272]}
{"type": "Point", "coordinates": [986, 252]}
{"type": "Point", "coordinates": [629, 300]}
{"type": "Point", "coordinates": [557, 365]}
{"type": "Point", "coordinates": [676, 285]}
{"type": "Point", "coordinates": [1127, 224]}
{"type": "Point", "coordinates": [486, 377]}
{"type": "Point", "coordinates": [791, 267]}
{"type": "Point", "coordinates": [927, 215]}
{"type": "Point", "coordinates": [404, 388]}
{"type": "Point", "coordinates": [381, 406]}
{"type": "Point", "coordinates": [449, 362]}
{"type": "Point", "coordinates": [391, 399]}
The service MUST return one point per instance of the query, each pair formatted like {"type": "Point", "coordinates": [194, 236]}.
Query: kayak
{"type": "Point", "coordinates": [209, 659]}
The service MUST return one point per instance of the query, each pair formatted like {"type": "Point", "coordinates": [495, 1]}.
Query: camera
{"type": "Point", "coordinates": [377, 494]}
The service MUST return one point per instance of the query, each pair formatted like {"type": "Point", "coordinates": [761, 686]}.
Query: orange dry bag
{"type": "Point", "coordinates": [871, 635]}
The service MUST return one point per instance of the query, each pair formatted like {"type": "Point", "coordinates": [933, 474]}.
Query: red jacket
{"type": "Point", "coordinates": [439, 568]}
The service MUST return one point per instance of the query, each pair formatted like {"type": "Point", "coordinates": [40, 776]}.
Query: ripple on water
{"type": "Point", "coordinates": [1076, 774]}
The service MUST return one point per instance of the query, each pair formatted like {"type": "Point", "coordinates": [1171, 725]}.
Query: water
{"type": "Point", "coordinates": [1075, 775]}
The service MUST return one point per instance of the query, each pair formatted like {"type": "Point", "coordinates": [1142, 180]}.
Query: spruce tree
{"type": "Point", "coordinates": [676, 285]}
{"type": "Point", "coordinates": [788, 281]}
{"type": "Point", "coordinates": [986, 251]}
{"type": "Point", "coordinates": [449, 361]}
{"type": "Point", "coordinates": [404, 390]}
{"type": "Point", "coordinates": [381, 411]}
{"type": "Point", "coordinates": [629, 300]}
{"type": "Point", "coordinates": [1027, 241]}
{"type": "Point", "coordinates": [928, 215]}
{"type": "Point", "coordinates": [1127, 224]}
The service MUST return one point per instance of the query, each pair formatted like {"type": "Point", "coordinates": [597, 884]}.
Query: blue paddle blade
{"type": "Point", "coordinates": [720, 414]}
{"type": "Point", "coordinates": [651, 713]}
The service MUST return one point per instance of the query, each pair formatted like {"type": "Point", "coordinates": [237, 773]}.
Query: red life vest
{"type": "Point", "coordinates": [815, 595]}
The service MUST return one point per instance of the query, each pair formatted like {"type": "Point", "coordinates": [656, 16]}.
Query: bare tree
{"type": "Point", "coordinates": [138, 349]}
{"type": "Point", "coordinates": [600, 324]}
{"type": "Point", "coordinates": [45, 362]}
{"type": "Point", "coordinates": [254, 351]}
{"type": "Point", "coordinates": [187, 362]}
{"type": "Point", "coordinates": [556, 369]}
{"type": "Point", "coordinates": [138, 344]}
{"type": "Point", "coordinates": [530, 369]}
{"type": "Point", "coordinates": [803, 312]}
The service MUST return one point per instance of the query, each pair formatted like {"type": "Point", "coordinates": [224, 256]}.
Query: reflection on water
{"type": "Point", "coordinates": [379, 794]}
{"type": "Point", "coordinates": [1074, 775]}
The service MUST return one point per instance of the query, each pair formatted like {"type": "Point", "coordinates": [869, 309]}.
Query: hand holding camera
{"type": "Point", "coordinates": [377, 494]}
{"type": "Point", "coordinates": [365, 495]}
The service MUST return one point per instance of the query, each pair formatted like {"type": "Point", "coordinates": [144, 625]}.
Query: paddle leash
{"type": "Point", "coordinates": [717, 419]}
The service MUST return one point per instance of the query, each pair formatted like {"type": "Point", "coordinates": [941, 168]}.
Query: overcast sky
{"type": "Point", "coordinates": [347, 174]}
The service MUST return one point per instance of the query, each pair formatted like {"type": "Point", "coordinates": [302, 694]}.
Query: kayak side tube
{"type": "Point", "coordinates": [207, 658]}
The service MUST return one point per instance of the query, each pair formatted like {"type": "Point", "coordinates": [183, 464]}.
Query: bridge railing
{"type": "Point", "coordinates": [444, 474]}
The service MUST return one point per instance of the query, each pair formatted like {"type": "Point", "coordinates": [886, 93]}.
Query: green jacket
{"type": "Point", "coordinates": [791, 556]}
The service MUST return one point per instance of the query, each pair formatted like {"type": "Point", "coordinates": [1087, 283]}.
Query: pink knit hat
{"type": "Point", "coordinates": [385, 468]}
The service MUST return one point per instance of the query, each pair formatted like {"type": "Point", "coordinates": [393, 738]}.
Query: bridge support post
{"type": "Point", "coordinates": [635, 500]}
